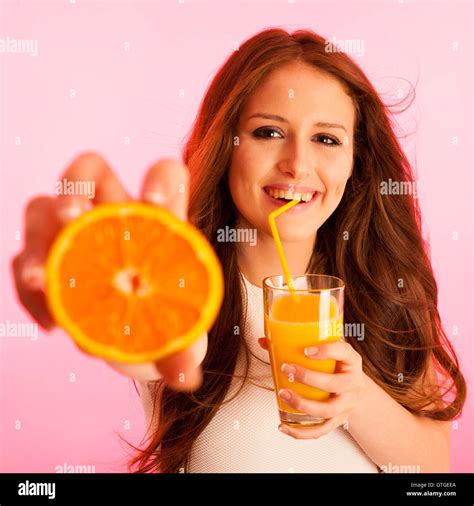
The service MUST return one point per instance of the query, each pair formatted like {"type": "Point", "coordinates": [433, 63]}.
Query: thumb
{"type": "Point", "coordinates": [166, 184]}
{"type": "Point", "coordinates": [182, 371]}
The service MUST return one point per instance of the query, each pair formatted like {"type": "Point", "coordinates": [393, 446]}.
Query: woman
{"type": "Point", "coordinates": [285, 113]}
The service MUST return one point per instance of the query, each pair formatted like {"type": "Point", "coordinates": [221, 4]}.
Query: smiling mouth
{"type": "Point", "coordinates": [289, 195]}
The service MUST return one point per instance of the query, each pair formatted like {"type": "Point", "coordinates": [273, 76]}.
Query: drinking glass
{"type": "Point", "coordinates": [309, 314]}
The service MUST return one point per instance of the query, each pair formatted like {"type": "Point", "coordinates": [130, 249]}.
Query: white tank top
{"type": "Point", "coordinates": [243, 436]}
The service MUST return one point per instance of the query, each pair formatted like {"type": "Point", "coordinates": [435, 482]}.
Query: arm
{"type": "Point", "coordinates": [392, 436]}
{"type": "Point", "coordinates": [46, 215]}
{"type": "Point", "coordinates": [388, 433]}
{"type": "Point", "coordinates": [139, 372]}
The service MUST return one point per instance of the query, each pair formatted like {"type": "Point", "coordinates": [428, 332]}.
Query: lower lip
{"type": "Point", "coordinates": [301, 207]}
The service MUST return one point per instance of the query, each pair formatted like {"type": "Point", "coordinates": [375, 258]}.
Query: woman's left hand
{"type": "Point", "coordinates": [348, 384]}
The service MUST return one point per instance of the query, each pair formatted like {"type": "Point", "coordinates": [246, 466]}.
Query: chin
{"type": "Point", "coordinates": [299, 234]}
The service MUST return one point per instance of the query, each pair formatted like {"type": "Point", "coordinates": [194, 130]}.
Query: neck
{"type": "Point", "coordinates": [262, 260]}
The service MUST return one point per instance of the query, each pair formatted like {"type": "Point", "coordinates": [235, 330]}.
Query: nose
{"type": "Point", "coordinates": [296, 160]}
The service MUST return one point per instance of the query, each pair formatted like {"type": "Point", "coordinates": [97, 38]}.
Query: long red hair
{"type": "Point", "coordinates": [372, 241]}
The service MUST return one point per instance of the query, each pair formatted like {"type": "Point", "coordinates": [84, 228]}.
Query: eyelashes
{"type": "Point", "coordinates": [328, 140]}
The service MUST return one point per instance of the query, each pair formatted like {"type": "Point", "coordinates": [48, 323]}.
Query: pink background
{"type": "Point", "coordinates": [136, 94]}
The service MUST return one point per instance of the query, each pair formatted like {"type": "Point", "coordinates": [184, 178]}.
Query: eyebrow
{"type": "Point", "coordinates": [275, 117]}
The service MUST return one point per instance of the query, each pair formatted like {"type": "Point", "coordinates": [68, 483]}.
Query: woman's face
{"type": "Point", "coordinates": [294, 141]}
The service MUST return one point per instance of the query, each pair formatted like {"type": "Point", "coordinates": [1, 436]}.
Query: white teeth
{"type": "Point", "coordinates": [290, 195]}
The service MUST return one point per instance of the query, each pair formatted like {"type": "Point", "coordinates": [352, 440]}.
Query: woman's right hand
{"type": "Point", "coordinates": [46, 215]}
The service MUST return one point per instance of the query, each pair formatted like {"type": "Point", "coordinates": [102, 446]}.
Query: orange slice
{"type": "Point", "coordinates": [133, 283]}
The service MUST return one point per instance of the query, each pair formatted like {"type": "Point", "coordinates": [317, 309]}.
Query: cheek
{"type": "Point", "coordinates": [238, 178]}
{"type": "Point", "coordinates": [339, 190]}
{"type": "Point", "coordinates": [335, 183]}
{"type": "Point", "coordinates": [334, 195]}
{"type": "Point", "coordinates": [247, 168]}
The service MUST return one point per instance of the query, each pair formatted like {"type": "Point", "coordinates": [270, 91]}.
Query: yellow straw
{"type": "Point", "coordinates": [271, 219]}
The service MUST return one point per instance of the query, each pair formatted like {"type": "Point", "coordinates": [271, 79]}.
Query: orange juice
{"type": "Point", "coordinates": [294, 323]}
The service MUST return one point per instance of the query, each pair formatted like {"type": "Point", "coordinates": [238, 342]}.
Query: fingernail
{"type": "Point", "coordinates": [312, 350]}
{"type": "Point", "coordinates": [283, 429]}
{"type": "Point", "coordinates": [69, 213]}
{"type": "Point", "coordinates": [155, 197]}
{"type": "Point", "coordinates": [33, 275]}
{"type": "Point", "coordinates": [288, 369]}
{"type": "Point", "coordinates": [284, 394]}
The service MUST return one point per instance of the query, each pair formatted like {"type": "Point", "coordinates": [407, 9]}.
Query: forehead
{"type": "Point", "coordinates": [301, 93]}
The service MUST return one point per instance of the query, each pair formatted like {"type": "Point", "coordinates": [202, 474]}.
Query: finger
{"type": "Point", "coordinates": [167, 184]}
{"type": "Point", "coordinates": [319, 409]}
{"type": "Point", "coordinates": [262, 341]}
{"type": "Point", "coordinates": [182, 371]}
{"type": "Point", "coordinates": [338, 350]}
{"type": "Point", "coordinates": [32, 298]}
{"type": "Point", "coordinates": [40, 228]}
{"type": "Point", "coordinates": [315, 431]}
{"type": "Point", "coordinates": [88, 179]}
{"type": "Point", "coordinates": [337, 383]}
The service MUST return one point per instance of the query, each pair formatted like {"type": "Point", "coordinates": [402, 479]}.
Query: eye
{"type": "Point", "coordinates": [329, 140]}
{"type": "Point", "coordinates": [263, 133]}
